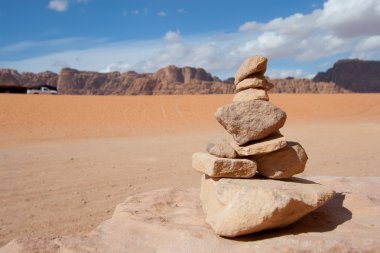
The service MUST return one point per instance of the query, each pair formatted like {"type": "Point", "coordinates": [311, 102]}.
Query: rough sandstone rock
{"type": "Point", "coordinates": [10, 77]}
{"type": "Point", "coordinates": [221, 149]}
{"type": "Point", "coordinates": [283, 163]}
{"type": "Point", "coordinates": [172, 220]}
{"type": "Point", "coordinates": [223, 167]}
{"type": "Point", "coordinates": [293, 85]}
{"type": "Point", "coordinates": [236, 207]}
{"type": "Point", "coordinates": [254, 82]}
{"type": "Point", "coordinates": [168, 80]}
{"type": "Point", "coordinates": [269, 144]}
{"type": "Point", "coordinates": [354, 75]}
{"type": "Point", "coordinates": [250, 120]}
{"type": "Point", "coordinates": [250, 94]}
{"type": "Point", "coordinates": [253, 65]}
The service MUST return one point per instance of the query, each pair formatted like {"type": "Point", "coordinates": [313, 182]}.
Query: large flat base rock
{"type": "Point", "coordinates": [236, 207]}
{"type": "Point", "coordinates": [170, 220]}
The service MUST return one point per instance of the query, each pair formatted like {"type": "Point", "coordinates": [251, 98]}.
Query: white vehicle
{"type": "Point", "coordinates": [42, 90]}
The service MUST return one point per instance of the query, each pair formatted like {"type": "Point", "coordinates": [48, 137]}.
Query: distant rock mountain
{"type": "Point", "coordinates": [10, 77]}
{"type": "Point", "coordinates": [292, 85]}
{"type": "Point", "coordinates": [47, 78]}
{"type": "Point", "coordinates": [354, 75]}
{"type": "Point", "coordinates": [345, 76]}
{"type": "Point", "coordinates": [169, 80]}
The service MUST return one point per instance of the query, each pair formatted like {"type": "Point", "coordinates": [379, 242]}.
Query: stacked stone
{"type": "Point", "coordinates": [234, 196]}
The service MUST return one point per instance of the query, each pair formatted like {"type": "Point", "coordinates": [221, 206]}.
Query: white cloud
{"type": "Point", "coordinates": [351, 18]}
{"type": "Point", "coordinates": [171, 36]}
{"type": "Point", "coordinates": [180, 10]}
{"type": "Point", "coordinates": [135, 12]}
{"type": "Point", "coordinates": [59, 5]}
{"type": "Point", "coordinates": [369, 48]}
{"type": "Point", "coordinates": [249, 26]}
{"type": "Point", "coordinates": [284, 73]}
{"type": "Point", "coordinates": [299, 39]}
{"type": "Point", "coordinates": [120, 66]}
{"type": "Point", "coordinates": [161, 14]}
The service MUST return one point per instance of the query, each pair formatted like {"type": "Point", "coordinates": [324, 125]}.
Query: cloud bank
{"type": "Point", "coordinates": [347, 28]}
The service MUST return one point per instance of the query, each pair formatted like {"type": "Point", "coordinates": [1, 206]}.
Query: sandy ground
{"type": "Point", "coordinates": [67, 161]}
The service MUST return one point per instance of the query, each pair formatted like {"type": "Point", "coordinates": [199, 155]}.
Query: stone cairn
{"type": "Point", "coordinates": [243, 188]}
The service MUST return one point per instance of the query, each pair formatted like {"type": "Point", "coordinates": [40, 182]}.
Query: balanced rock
{"type": "Point", "coordinates": [236, 207]}
{"type": "Point", "coordinates": [253, 65]}
{"type": "Point", "coordinates": [221, 149]}
{"type": "Point", "coordinates": [282, 163]}
{"type": "Point", "coordinates": [254, 82]}
{"type": "Point", "coordinates": [269, 144]}
{"type": "Point", "coordinates": [250, 120]}
{"type": "Point", "coordinates": [223, 167]}
{"type": "Point", "coordinates": [251, 94]}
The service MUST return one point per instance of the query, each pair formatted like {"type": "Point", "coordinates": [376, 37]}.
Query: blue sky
{"type": "Point", "coordinates": [299, 37]}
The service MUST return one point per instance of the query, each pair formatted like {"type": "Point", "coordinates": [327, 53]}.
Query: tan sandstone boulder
{"type": "Point", "coordinates": [222, 149]}
{"type": "Point", "coordinates": [269, 144]}
{"type": "Point", "coordinates": [251, 94]}
{"type": "Point", "coordinates": [223, 167]}
{"type": "Point", "coordinates": [284, 163]}
{"type": "Point", "coordinates": [255, 82]}
{"type": "Point", "coordinates": [253, 65]}
{"type": "Point", "coordinates": [172, 221]}
{"type": "Point", "coordinates": [236, 207]}
{"type": "Point", "coordinates": [250, 120]}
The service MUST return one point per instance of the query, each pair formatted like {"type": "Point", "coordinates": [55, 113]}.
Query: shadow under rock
{"type": "Point", "coordinates": [326, 218]}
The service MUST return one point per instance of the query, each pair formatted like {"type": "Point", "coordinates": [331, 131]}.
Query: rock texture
{"type": "Point", "coordinates": [169, 80]}
{"type": "Point", "coordinates": [10, 77]}
{"type": "Point", "coordinates": [255, 82]}
{"type": "Point", "coordinates": [250, 120]}
{"type": "Point", "coordinates": [172, 220]}
{"type": "Point", "coordinates": [250, 94]}
{"type": "Point", "coordinates": [221, 149]}
{"type": "Point", "coordinates": [253, 65]}
{"type": "Point", "coordinates": [223, 167]}
{"type": "Point", "coordinates": [236, 207]}
{"type": "Point", "coordinates": [291, 85]}
{"type": "Point", "coordinates": [47, 78]}
{"type": "Point", "coordinates": [283, 163]}
{"type": "Point", "coordinates": [269, 144]}
{"type": "Point", "coordinates": [354, 75]}
{"type": "Point", "coordinates": [345, 76]}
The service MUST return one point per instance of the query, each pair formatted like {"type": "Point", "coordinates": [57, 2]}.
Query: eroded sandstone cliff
{"type": "Point", "coordinates": [354, 75]}
{"type": "Point", "coordinates": [169, 80]}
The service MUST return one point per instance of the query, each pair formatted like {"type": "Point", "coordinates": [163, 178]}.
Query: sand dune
{"type": "Point", "coordinates": [67, 161]}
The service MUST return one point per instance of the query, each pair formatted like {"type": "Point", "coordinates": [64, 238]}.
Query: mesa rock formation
{"type": "Point", "coordinates": [169, 80]}
{"type": "Point", "coordinates": [10, 77]}
{"type": "Point", "coordinates": [235, 200]}
{"type": "Point", "coordinates": [354, 75]}
{"type": "Point", "coordinates": [345, 76]}
{"type": "Point", "coordinates": [297, 85]}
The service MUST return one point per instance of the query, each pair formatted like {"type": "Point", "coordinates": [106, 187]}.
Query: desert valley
{"type": "Point", "coordinates": [67, 161]}
{"type": "Point", "coordinates": [189, 126]}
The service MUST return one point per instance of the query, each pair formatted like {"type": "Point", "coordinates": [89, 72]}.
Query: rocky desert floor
{"type": "Point", "coordinates": [67, 161]}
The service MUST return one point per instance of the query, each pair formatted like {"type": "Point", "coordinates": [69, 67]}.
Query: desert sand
{"type": "Point", "coordinates": [67, 161]}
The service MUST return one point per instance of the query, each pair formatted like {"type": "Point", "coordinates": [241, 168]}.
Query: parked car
{"type": "Point", "coordinates": [42, 90]}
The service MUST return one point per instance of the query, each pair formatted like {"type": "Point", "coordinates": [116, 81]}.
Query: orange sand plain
{"type": "Point", "coordinates": [67, 161]}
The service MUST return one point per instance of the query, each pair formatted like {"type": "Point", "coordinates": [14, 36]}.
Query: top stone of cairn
{"type": "Point", "coordinates": [253, 65]}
